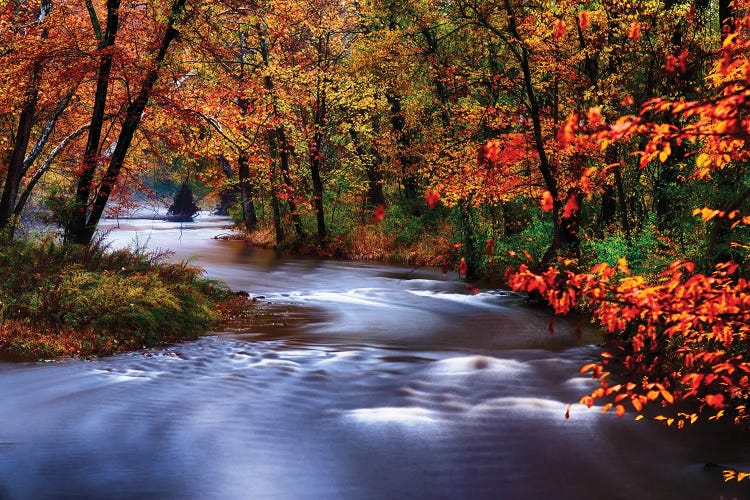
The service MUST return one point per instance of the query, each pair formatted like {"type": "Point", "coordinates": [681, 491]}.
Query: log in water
{"type": "Point", "coordinates": [366, 381]}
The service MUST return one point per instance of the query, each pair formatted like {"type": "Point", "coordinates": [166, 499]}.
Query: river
{"type": "Point", "coordinates": [362, 381]}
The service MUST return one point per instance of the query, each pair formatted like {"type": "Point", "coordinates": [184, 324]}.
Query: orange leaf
{"type": "Point", "coordinates": [715, 400]}
{"type": "Point", "coordinates": [566, 132]}
{"type": "Point", "coordinates": [594, 115]}
{"type": "Point", "coordinates": [559, 29]}
{"type": "Point", "coordinates": [584, 20]}
{"type": "Point", "coordinates": [587, 367]}
{"type": "Point", "coordinates": [668, 397]}
{"type": "Point", "coordinates": [635, 31]}
{"type": "Point", "coordinates": [622, 265]}
{"type": "Point", "coordinates": [548, 203]}
{"type": "Point", "coordinates": [620, 410]}
{"type": "Point", "coordinates": [637, 404]}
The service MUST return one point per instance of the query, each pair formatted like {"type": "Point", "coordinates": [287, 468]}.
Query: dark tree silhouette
{"type": "Point", "coordinates": [184, 208]}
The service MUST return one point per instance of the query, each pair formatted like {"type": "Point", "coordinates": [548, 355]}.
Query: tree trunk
{"type": "Point", "coordinates": [20, 144]}
{"type": "Point", "coordinates": [718, 246]}
{"type": "Point", "coordinates": [278, 142]}
{"type": "Point", "coordinates": [273, 149]}
{"type": "Point", "coordinates": [132, 121]}
{"type": "Point", "coordinates": [18, 209]}
{"type": "Point", "coordinates": [76, 229]}
{"type": "Point", "coordinates": [49, 127]}
{"type": "Point", "coordinates": [16, 167]}
{"type": "Point", "coordinates": [470, 240]}
{"type": "Point", "coordinates": [545, 167]}
{"type": "Point", "coordinates": [406, 161]}
{"type": "Point", "coordinates": [284, 163]}
{"type": "Point", "coordinates": [375, 196]}
{"type": "Point", "coordinates": [246, 194]}
{"type": "Point", "coordinates": [273, 145]}
{"type": "Point", "coordinates": [228, 195]}
{"type": "Point", "coordinates": [315, 166]}
{"type": "Point", "coordinates": [622, 204]}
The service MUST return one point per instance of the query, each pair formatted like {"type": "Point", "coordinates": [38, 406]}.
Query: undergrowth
{"type": "Point", "coordinates": [70, 300]}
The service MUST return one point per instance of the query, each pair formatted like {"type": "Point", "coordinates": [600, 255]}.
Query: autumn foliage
{"type": "Point", "coordinates": [680, 339]}
{"type": "Point", "coordinates": [677, 339]}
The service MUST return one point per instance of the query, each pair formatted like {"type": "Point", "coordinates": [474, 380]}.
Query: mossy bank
{"type": "Point", "coordinates": [61, 300]}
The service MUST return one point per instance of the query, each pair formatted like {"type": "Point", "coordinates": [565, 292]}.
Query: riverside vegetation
{"type": "Point", "coordinates": [71, 300]}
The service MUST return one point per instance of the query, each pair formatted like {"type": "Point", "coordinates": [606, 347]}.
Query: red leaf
{"type": "Point", "coordinates": [635, 31]}
{"type": "Point", "coordinates": [715, 400]}
{"type": "Point", "coordinates": [559, 29]}
{"type": "Point", "coordinates": [433, 198]}
{"type": "Point", "coordinates": [490, 247]}
{"type": "Point", "coordinates": [489, 154]}
{"type": "Point", "coordinates": [378, 214]}
{"type": "Point", "coordinates": [571, 207]}
{"type": "Point", "coordinates": [682, 60]}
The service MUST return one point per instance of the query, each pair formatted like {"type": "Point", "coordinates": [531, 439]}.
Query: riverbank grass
{"type": "Point", "coordinates": [60, 300]}
{"type": "Point", "coordinates": [366, 242]}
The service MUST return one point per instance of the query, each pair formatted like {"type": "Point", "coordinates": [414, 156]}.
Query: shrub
{"type": "Point", "coordinates": [123, 298]}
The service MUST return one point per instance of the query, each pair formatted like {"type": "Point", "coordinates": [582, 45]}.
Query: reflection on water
{"type": "Point", "coordinates": [363, 381]}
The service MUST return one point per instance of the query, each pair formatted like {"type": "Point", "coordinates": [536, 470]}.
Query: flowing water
{"type": "Point", "coordinates": [359, 381]}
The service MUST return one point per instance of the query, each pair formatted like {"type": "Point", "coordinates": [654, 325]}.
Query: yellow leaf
{"type": "Point", "coordinates": [664, 154]}
{"type": "Point", "coordinates": [667, 396]}
{"type": "Point", "coordinates": [703, 160]}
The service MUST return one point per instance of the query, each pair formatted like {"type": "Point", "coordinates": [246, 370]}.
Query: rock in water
{"type": "Point", "coordinates": [184, 208]}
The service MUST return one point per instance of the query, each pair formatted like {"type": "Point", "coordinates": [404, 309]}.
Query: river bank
{"type": "Point", "coordinates": [68, 301]}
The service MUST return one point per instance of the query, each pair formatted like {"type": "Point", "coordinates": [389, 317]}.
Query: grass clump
{"type": "Point", "coordinates": [69, 300]}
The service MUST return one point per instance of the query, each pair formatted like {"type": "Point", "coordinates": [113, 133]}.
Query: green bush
{"type": "Point", "coordinates": [645, 253]}
{"type": "Point", "coordinates": [130, 296]}
{"type": "Point", "coordinates": [534, 238]}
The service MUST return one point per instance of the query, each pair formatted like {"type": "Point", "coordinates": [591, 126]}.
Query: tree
{"type": "Point", "coordinates": [681, 337]}
{"type": "Point", "coordinates": [87, 215]}
{"type": "Point", "coordinates": [34, 88]}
